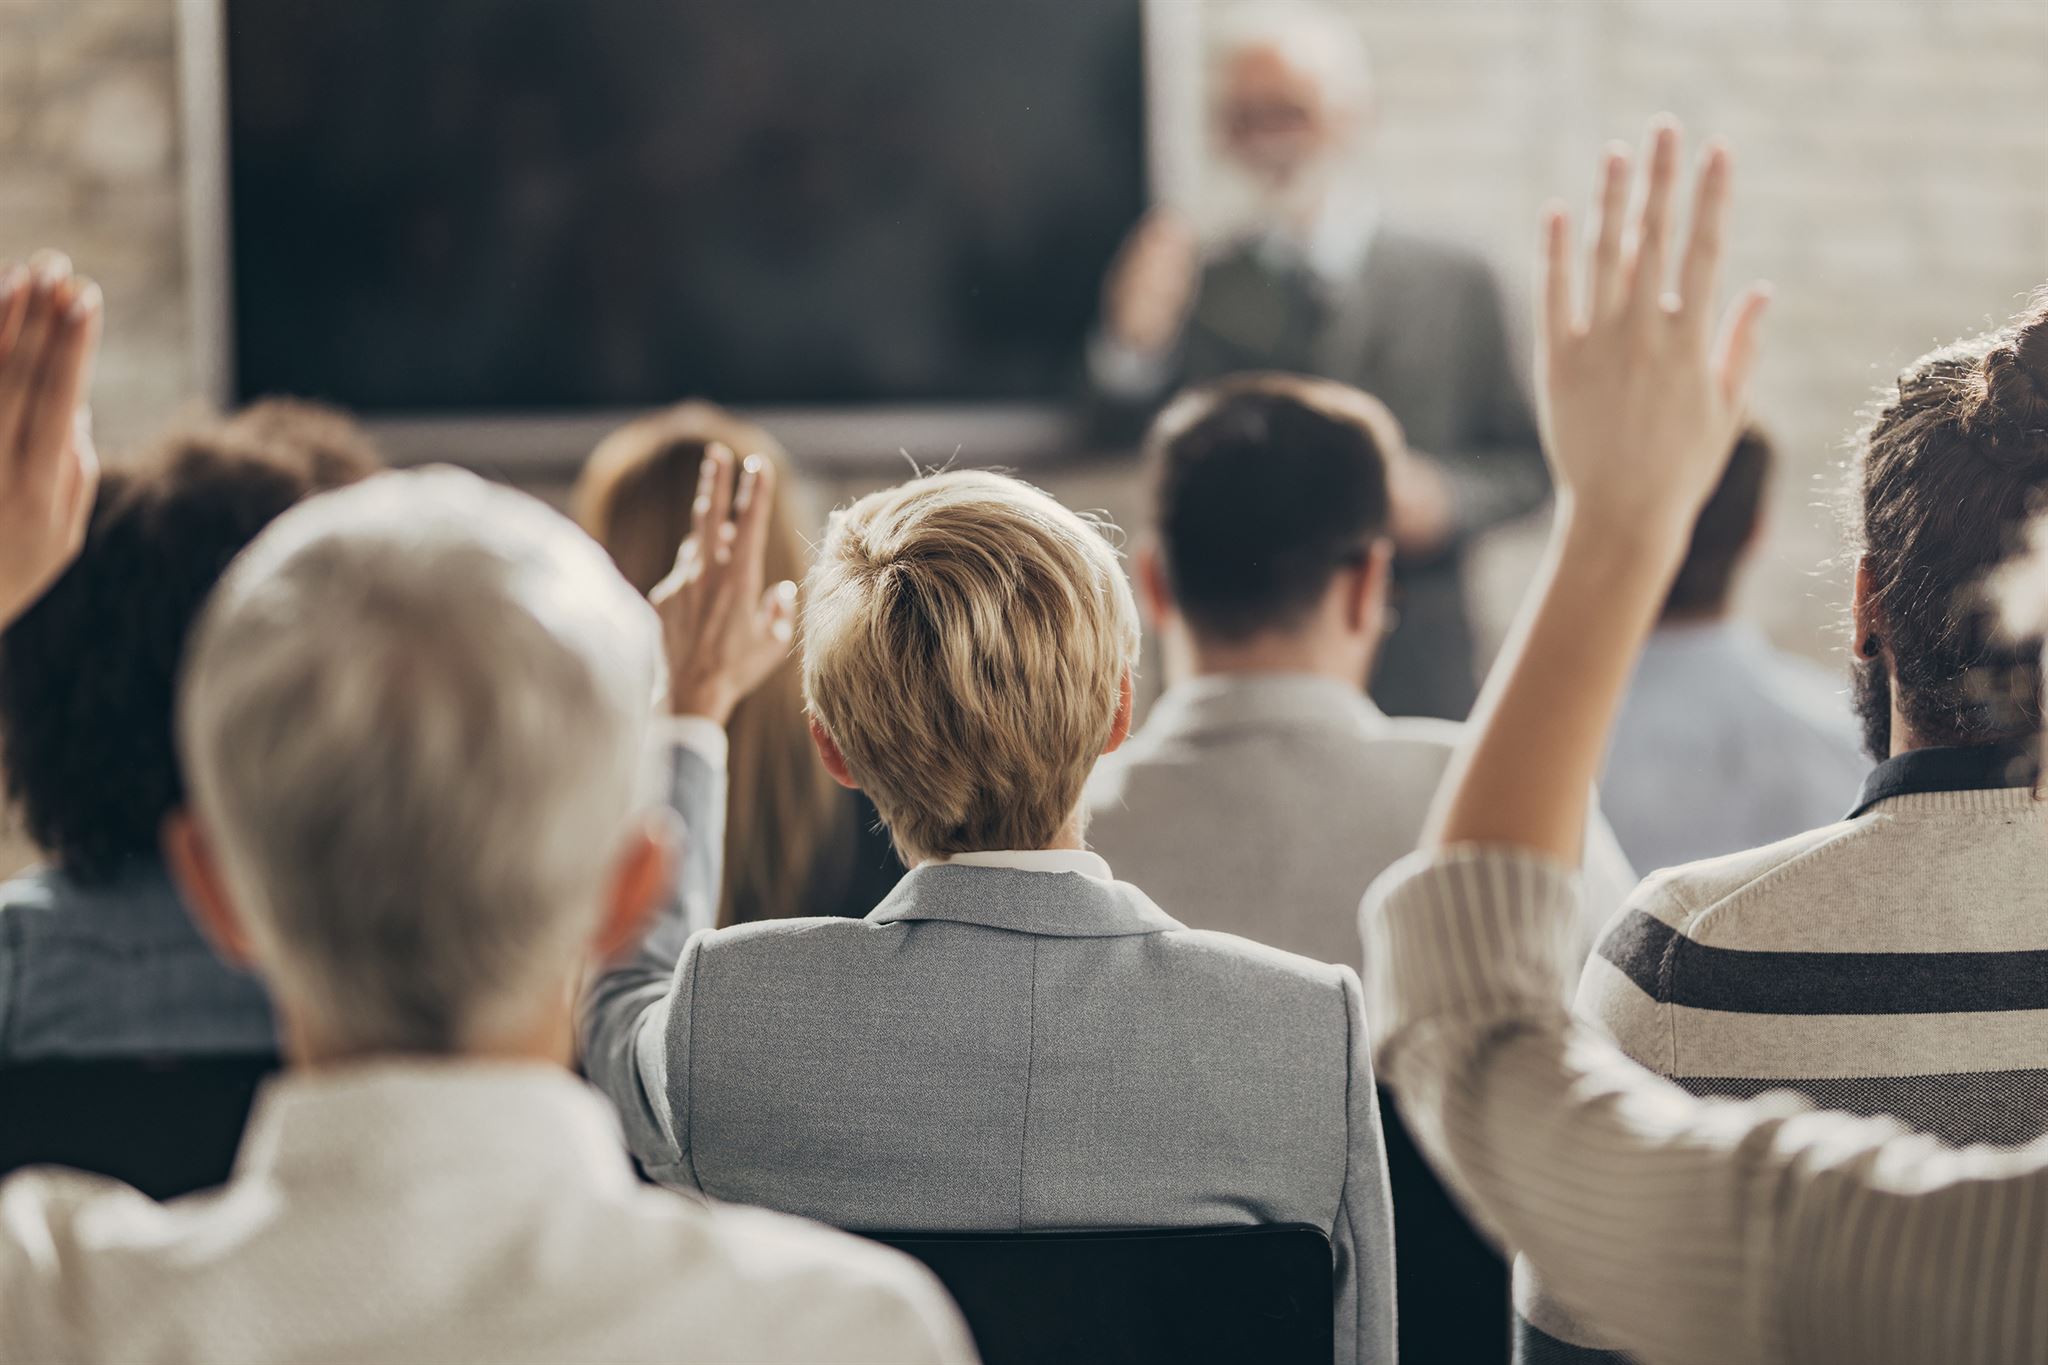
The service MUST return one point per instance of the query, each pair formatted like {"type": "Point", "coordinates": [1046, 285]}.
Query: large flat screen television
{"type": "Point", "coordinates": [869, 217]}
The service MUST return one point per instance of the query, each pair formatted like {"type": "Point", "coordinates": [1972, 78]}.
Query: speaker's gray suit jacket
{"type": "Point", "coordinates": [995, 1049]}
{"type": "Point", "coordinates": [1422, 328]}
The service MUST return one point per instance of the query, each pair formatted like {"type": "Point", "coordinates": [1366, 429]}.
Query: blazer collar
{"type": "Point", "coordinates": [1049, 904]}
{"type": "Point", "coordinates": [1263, 701]}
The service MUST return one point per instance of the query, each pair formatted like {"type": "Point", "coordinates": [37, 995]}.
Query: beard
{"type": "Point", "coordinates": [1239, 202]}
{"type": "Point", "coordinates": [1870, 696]}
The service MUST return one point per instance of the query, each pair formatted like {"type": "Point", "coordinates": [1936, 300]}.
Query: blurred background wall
{"type": "Point", "coordinates": [1892, 181]}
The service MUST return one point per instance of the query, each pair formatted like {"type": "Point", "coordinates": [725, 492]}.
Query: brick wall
{"type": "Point", "coordinates": [89, 161]}
{"type": "Point", "coordinates": [1893, 182]}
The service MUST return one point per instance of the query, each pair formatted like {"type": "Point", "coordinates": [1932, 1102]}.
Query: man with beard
{"type": "Point", "coordinates": [1315, 280]}
{"type": "Point", "coordinates": [1888, 963]}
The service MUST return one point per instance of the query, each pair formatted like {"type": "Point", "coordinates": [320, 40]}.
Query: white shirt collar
{"type": "Point", "coordinates": [1033, 860]}
{"type": "Point", "coordinates": [400, 1116]}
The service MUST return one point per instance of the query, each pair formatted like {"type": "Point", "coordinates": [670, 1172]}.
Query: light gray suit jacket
{"type": "Point", "coordinates": [996, 1049]}
{"type": "Point", "coordinates": [1265, 806]}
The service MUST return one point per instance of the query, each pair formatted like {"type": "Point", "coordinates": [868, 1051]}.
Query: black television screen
{"type": "Point", "coordinates": [493, 205]}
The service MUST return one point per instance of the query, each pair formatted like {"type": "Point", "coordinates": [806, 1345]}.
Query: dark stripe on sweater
{"type": "Point", "coordinates": [1673, 969]}
{"type": "Point", "coordinates": [2007, 1108]}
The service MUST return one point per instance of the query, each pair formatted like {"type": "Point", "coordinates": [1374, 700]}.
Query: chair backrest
{"type": "Point", "coordinates": [167, 1126]}
{"type": "Point", "coordinates": [1137, 1296]}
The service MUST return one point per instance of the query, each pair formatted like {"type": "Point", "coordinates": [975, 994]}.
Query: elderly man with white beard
{"type": "Point", "coordinates": [1314, 276]}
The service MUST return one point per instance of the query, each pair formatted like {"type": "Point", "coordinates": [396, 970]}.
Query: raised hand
{"type": "Point", "coordinates": [725, 631]}
{"type": "Point", "coordinates": [49, 331]}
{"type": "Point", "coordinates": [1640, 395]}
{"type": "Point", "coordinates": [1152, 283]}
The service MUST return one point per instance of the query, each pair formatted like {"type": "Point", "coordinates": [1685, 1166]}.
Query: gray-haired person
{"type": "Point", "coordinates": [418, 720]}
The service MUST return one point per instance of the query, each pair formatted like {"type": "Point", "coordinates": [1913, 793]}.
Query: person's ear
{"type": "Point", "coordinates": [1149, 568]}
{"type": "Point", "coordinates": [188, 852]}
{"type": "Point", "coordinates": [1866, 621]}
{"type": "Point", "coordinates": [829, 755]}
{"type": "Point", "coordinates": [640, 882]}
{"type": "Point", "coordinates": [1366, 591]}
{"type": "Point", "coordinates": [1120, 723]}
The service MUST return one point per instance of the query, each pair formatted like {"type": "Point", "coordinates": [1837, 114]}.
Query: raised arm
{"type": "Point", "coordinates": [1640, 407]}
{"type": "Point", "coordinates": [1564, 1148]}
{"type": "Point", "coordinates": [725, 632]}
{"type": "Point", "coordinates": [49, 333]}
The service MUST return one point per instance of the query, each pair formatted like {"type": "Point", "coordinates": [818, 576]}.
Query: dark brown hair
{"type": "Point", "coordinates": [1726, 526]}
{"type": "Point", "coordinates": [88, 675]}
{"type": "Point", "coordinates": [335, 448]}
{"type": "Point", "coordinates": [1263, 486]}
{"type": "Point", "coordinates": [1951, 468]}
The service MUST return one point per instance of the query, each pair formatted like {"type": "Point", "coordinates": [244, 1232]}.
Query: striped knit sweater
{"type": "Point", "coordinates": [1894, 963]}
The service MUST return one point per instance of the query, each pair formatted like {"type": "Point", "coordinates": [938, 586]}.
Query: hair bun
{"type": "Point", "coordinates": [2014, 408]}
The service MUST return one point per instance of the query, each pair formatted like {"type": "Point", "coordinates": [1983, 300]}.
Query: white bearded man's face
{"type": "Point", "coordinates": [1281, 140]}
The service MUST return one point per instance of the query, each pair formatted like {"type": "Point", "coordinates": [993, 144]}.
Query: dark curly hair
{"type": "Point", "coordinates": [88, 675]}
{"type": "Point", "coordinates": [1950, 471]}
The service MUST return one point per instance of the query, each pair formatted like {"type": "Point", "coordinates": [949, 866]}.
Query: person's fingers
{"type": "Point", "coordinates": [14, 286]}
{"type": "Point", "coordinates": [1699, 274]}
{"type": "Point", "coordinates": [1606, 272]}
{"type": "Point", "coordinates": [1646, 280]}
{"type": "Point", "coordinates": [1739, 338]}
{"type": "Point", "coordinates": [25, 363]}
{"type": "Point", "coordinates": [714, 493]}
{"type": "Point", "coordinates": [1558, 321]}
{"type": "Point", "coordinates": [60, 388]}
{"type": "Point", "coordinates": [756, 503]}
{"type": "Point", "coordinates": [683, 574]}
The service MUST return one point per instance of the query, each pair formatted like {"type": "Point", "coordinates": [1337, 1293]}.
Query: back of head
{"type": "Point", "coordinates": [87, 675]}
{"type": "Point", "coordinates": [1263, 487]}
{"type": "Point", "coordinates": [415, 717]}
{"type": "Point", "coordinates": [326, 441]}
{"type": "Point", "coordinates": [965, 642]}
{"type": "Point", "coordinates": [1950, 468]}
{"type": "Point", "coordinates": [635, 495]}
{"type": "Point", "coordinates": [1724, 532]}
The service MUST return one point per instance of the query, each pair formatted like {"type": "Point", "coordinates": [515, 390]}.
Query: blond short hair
{"type": "Point", "coordinates": [966, 639]}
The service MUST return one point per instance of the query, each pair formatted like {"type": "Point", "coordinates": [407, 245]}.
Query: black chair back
{"type": "Point", "coordinates": [1139, 1296]}
{"type": "Point", "coordinates": [167, 1126]}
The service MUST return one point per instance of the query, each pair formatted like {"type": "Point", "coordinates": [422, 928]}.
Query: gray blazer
{"type": "Point", "coordinates": [1001, 1049]}
{"type": "Point", "coordinates": [1266, 805]}
{"type": "Point", "coordinates": [1423, 330]}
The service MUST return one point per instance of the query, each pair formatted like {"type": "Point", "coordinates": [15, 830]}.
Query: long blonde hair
{"type": "Point", "coordinates": [786, 815]}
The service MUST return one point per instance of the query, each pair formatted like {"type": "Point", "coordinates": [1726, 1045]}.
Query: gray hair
{"type": "Point", "coordinates": [1314, 38]}
{"type": "Point", "coordinates": [415, 719]}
